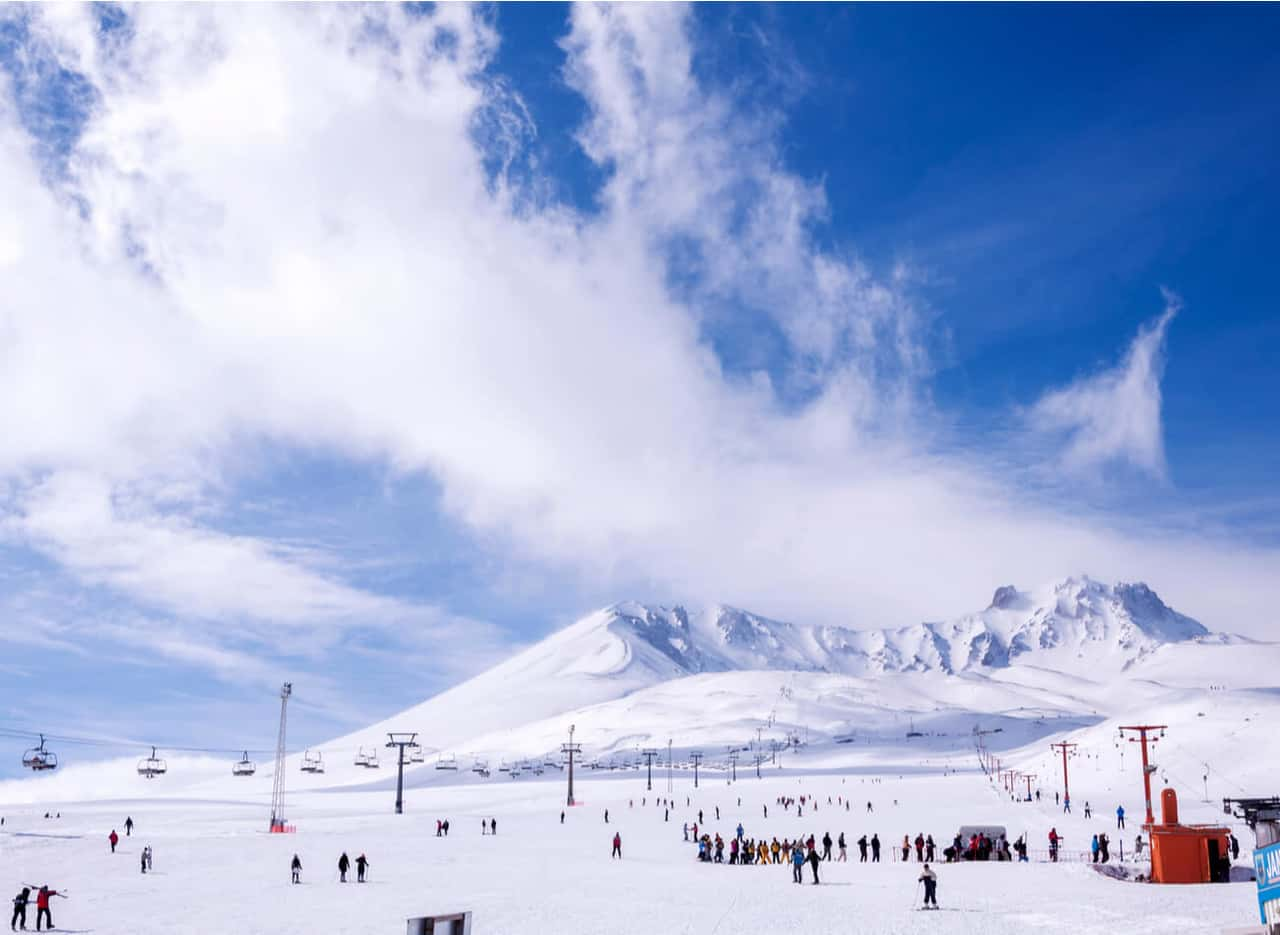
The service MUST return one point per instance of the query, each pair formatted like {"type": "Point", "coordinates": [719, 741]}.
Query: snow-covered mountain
{"type": "Point", "coordinates": [1075, 622]}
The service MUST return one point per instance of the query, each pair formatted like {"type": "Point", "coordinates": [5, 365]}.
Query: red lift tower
{"type": "Point", "coordinates": [1066, 749]}
{"type": "Point", "coordinates": [1028, 777]}
{"type": "Point", "coordinates": [1142, 730]}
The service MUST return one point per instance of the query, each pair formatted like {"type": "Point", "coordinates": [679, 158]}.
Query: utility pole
{"type": "Point", "coordinates": [648, 759]}
{"type": "Point", "coordinates": [400, 740]}
{"type": "Point", "coordinates": [570, 748]}
{"type": "Point", "coordinates": [1147, 767]}
{"type": "Point", "coordinates": [277, 782]}
{"type": "Point", "coordinates": [759, 760]}
{"type": "Point", "coordinates": [696, 756]}
{"type": "Point", "coordinates": [1066, 749]}
{"type": "Point", "coordinates": [733, 764]}
{"type": "Point", "coordinates": [1028, 777]}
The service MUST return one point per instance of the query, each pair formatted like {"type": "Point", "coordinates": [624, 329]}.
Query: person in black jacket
{"type": "Point", "coordinates": [826, 845]}
{"type": "Point", "coordinates": [361, 863]}
{"type": "Point", "coordinates": [295, 868]}
{"type": "Point", "coordinates": [813, 863]}
{"type": "Point", "coordinates": [344, 864]}
{"type": "Point", "coordinates": [20, 908]}
{"type": "Point", "coordinates": [875, 848]}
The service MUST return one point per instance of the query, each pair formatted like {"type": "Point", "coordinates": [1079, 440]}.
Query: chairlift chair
{"type": "Point", "coordinates": [367, 758]}
{"type": "Point", "coordinates": [152, 766]}
{"type": "Point", "coordinates": [312, 764]}
{"type": "Point", "coordinates": [447, 762]}
{"type": "Point", "coordinates": [40, 758]}
{"type": "Point", "coordinates": [416, 754]}
{"type": "Point", "coordinates": [244, 767]}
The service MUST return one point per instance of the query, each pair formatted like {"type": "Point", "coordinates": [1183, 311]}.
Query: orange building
{"type": "Point", "coordinates": [1186, 853]}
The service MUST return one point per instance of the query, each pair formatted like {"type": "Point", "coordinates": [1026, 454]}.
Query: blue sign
{"type": "Point", "coordinates": [1266, 861]}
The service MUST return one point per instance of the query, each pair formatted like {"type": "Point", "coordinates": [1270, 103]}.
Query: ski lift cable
{"type": "Point", "coordinates": [25, 735]}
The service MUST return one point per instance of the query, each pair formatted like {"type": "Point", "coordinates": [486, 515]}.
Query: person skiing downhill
{"type": "Point", "coordinates": [295, 869]}
{"type": "Point", "coordinates": [20, 908]}
{"type": "Point", "coordinates": [617, 845]}
{"type": "Point", "coordinates": [930, 881]}
{"type": "Point", "coordinates": [362, 864]}
{"type": "Point", "coordinates": [344, 864]}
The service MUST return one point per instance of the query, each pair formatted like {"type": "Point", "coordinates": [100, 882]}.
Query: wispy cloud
{"type": "Point", "coordinates": [1113, 416]}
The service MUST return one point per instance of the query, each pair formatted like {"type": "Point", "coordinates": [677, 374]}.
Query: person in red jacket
{"type": "Point", "coordinates": [114, 839]}
{"type": "Point", "coordinates": [42, 906]}
{"type": "Point", "coordinates": [617, 845]}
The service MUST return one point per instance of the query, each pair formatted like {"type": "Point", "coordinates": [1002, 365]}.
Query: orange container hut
{"type": "Point", "coordinates": [1186, 853]}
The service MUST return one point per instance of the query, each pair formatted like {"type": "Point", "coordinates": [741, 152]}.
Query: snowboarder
{"type": "Point", "coordinates": [20, 909]}
{"type": "Point", "coordinates": [128, 826]}
{"type": "Point", "coordinates": [930, 881]}
{"type": "Point", "coordinates": [813, 863]}
{"type": "Point", "coordinates": [114, 839]}
{"type": "Point", "coordinates": [797, 863]}
{"type": "Point", "coordinates": [42, 906]}
{"type": "Point", "coordinates": [617, 845]}
{"type": "Point", "coordinates": [875, 848]}
{"type": "Point", "coordinates": [295, 867]}
{"type": "Point", "coordinates": [1119, 816]}
{"type": "Point", "coordinates": [344, 864]}
{"type": "Point", "coordinates": [362, 863]}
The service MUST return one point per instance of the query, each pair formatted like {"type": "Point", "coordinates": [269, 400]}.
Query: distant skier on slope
{"type": "Point", "coordinates": [362, 864]}
{"type": "Point", "coordinates": [930, 881]}
{"type": "Point", "coordinates": [862, 849]}
{"type": "Point", "coordinates": [295, 869]}
{"type": "Point", "coordinates": [113, 839]}
{"type": "Point", "coordinates": [344, 864]}
{"type": "Point", "coordinates": [1119, 816]}
{"type": "Point", "coordinates": [813, 863]}
{"type": "Point", "coordinates": [826, 845]}
{"type": "Point", "coordinates": [617, 845]}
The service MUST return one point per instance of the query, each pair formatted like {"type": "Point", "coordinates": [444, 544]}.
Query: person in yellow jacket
{"type": "Point", "coordinates": [764, 852]}
{"type": "Point", "coordinates": [775, 848]}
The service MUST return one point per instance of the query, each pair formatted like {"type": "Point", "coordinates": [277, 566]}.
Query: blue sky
{"type": "Point", "coordinates": [360, 347]}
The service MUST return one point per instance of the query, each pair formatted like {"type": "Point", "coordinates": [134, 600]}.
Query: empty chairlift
{"type": "Point", "coordinates": [367, 758]}
{"type": "Point", "coordinates": [40, 758]}
{"type": "Point", "coordinates": [152, 766]}
{"type": "Point", "coordinates": [447, 762]}
{"type": "Point", "coordinates": [244, 767]}
{"type": "Point", "coordinates": [416, 754]}
{"type": "Point", "coordinates": [312, 763]}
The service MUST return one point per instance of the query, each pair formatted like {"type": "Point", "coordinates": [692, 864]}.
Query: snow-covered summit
{"type": "Point", "coordinates": [1076, 619]}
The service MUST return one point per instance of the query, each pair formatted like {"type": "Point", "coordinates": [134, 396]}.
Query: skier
{"type": "Point", "coordinates": [797, 863]}
{"type": "Point", "coordinates": [42, 906]}
{"type": "Point", "coordinates": [606, 816]}
{"type": "Point", "coordinates": [862, 849]}
{"type": "Point", "coordinates": [147, 851]}
{"type": "Point", "coordinates": [445, 825]}
{"type": "Point", "coordinates": [1088, 812]}
{"type": "Point", "coordinates": [868, 806]}
{"type": "Point", "coordinates": [766, 811]}
{"type": "Point", "coordinates": [906, 848]}
{"type": "Point", "coordinates": [493, 826]}
{"type": "Point", "coordinates": [296, 868]}
{"type": "Point", "coordinates": [686, 831]}
{"type": "Point", "coordinates": [929, 849]}
{"type": "Point", "coordinates": [700, 816]}
{"type": "Point", "coordinates": [362, 864]}
{"type": "Point", "coordinates": [844, 854]}
{"type": "Point", "coordinates": [20, 909]}
{"type": "Point", "coordinates": [813, 863]}
{"type": "Point", "coordinates": [143, 860]}
{"type": "Point", "coordinates": [717, 813]}
{"type": "Point", "coordinates": [826, 845]}
{"type": "Point", "coordinates": [1137, 845]}
{"type": "Point", "coordinates": [930, 881]}
{"type": "Point", "coordinates": [739, 831]}
{"type": "Point", "coordinates": [1053, 844]}
{"type": "Point", "coordinates": [114, 839]}
{"type": "Point", "coordinates": [1104, 847]}
{"type": "Point", "coordinates": [920, 848]}
{"type": "Point", "coordinates": [1066, 806]}
{"type": "Point", "coordinates": [344, 864]}
{"type": "Point", "coordinates": [617, 845]}
{"type": "Point", "coordinates": [875, 848]}
{"type": "Point", "coordinates": [128, 826]}
{"type": "Point", "coordinates": [562, 819]}
{"type": "Point", "coordinates": [1119, 816]}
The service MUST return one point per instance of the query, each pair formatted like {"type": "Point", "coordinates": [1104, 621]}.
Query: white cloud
{"type": "Point", "coordinates": [1114, 415]}
{"type": "Point", "coordinates": [291, 236]}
